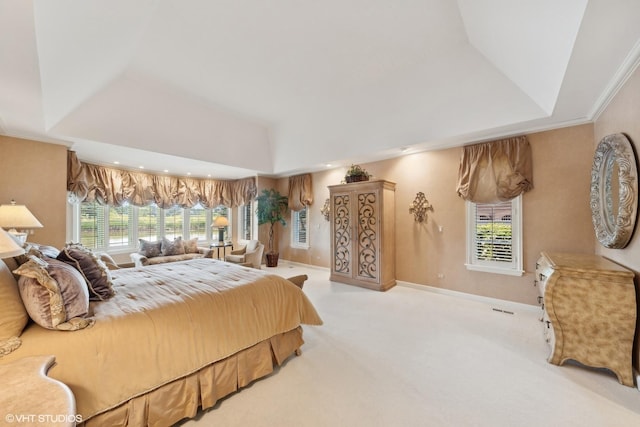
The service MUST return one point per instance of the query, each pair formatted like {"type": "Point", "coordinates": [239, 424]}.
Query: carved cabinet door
{"type": "Point", "coordinates": [341, 234]}
{"type": "Point", "coordinates": [367, 235]}
{"type": "Point", "coordinates": [362, 234]}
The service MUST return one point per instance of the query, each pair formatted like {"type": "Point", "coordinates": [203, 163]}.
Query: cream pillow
{"type": "Point", "coordinates": [191, 246]}
{"type": "Point", "coordinates": [13, 315]}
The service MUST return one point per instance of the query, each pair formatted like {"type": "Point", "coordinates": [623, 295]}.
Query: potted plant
{"type": "Point", "coordinates": [356, 173]}
{"type": "Point", "coordinates": [272, 206]}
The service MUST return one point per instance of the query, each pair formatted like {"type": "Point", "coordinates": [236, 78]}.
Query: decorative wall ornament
{"type": "Point", "coordinates": [614, 201]}
{"type": "Point", "coordinates": [326, 210]}
{"type": "Point", "coordinates": [419, 207]}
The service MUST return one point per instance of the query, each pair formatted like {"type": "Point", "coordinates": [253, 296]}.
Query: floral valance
{"type": "Point", "coordinates": [115, 187]}
{"type": "Point", "coordinates": [495, 171]}
{"type": "Point", "coordinates": [300, 192]}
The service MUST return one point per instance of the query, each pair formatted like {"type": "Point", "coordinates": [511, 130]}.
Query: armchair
{"type": "Point", "coordinates": [249, 256]}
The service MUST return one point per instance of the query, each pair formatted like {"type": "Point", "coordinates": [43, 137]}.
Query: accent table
{"type": "Point", "coordinates": [222, 246]}
{"type": "Point", "coordinates": [29, 398]}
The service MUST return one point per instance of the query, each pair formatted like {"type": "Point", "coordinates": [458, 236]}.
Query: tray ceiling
{"type": "Point", "coordinates": [232, 89]}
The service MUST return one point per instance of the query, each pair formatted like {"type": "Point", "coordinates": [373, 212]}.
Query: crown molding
{"type": "Point", "coordinates": [625, 71]}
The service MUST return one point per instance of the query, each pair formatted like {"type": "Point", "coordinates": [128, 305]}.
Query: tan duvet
{"type": "Point", "coordinates": [165, 322]}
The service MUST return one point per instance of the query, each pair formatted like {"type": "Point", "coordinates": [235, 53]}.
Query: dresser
{"type": "Point", "coordinates": [588, 311]}
{"type": "Point", "coordinates": [362, 217]}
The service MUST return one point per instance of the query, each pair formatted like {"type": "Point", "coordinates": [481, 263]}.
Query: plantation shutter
{"type": "Point", "coordinates": [149, 222]}
{"type": "Point", "coordinates": [300, 227]}
{"type": "Point", "coordinates": [92, 225]}
{"type": "Point", "coordinates": [493, 240]}
{"type": "Point", "coordinates": [247, 219]}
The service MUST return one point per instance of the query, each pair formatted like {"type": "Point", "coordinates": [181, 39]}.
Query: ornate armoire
{"type": "Point", "coordinates": [363, 234]}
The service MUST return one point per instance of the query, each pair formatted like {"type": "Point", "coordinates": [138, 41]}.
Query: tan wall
{"type": "Point", "coordinates": [621, 115]}
{"type": "Point", "coordinates": [556, 212]}
{"type": "Point", "coordinates": [557, 215]}
{"type": "Point", "coordinates": [35, 174]}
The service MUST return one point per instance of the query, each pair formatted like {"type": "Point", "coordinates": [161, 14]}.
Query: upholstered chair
{"type": "Point", "coordinates": [249, 256]}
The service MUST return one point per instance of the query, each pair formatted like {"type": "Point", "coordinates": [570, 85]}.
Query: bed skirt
{"type": "Point", "coordinates": [181, 398]}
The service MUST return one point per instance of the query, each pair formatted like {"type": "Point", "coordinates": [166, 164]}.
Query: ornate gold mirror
{"type": "Point", "coordinates": [614, 191]}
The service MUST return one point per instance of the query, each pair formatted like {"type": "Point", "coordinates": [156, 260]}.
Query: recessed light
{"type": "Point", "coordinates": [209, 175]}
{"type": "Point", "coordinates": [166, 171]}
{"type": "Point", "coordinates": [328, 165]}
{"type": "Point", "coordinates": [116, 162]}
{"type": "Point", "coordinates": [188, 173]}
{"type": "Point", "coordinates": [141, 167]}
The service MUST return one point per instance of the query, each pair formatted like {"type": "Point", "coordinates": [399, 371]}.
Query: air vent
{"type": "Point", "coordinates": [502, 311]}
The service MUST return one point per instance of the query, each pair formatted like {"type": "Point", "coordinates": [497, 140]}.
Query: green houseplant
{"type": "Point", "coordinates": [356, 173]}
{"type": "Point", "coordinates": [272, 206]}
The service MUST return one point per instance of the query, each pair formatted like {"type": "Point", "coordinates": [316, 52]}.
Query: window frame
{"type": "Point", "coordinates": [513, 268]}
{"type": "Point", "coordinates": [253, 222]}
{"type": "Point", "coordinates": [75, 209]}
{"type": "Point", "coordinates": [295, 221]}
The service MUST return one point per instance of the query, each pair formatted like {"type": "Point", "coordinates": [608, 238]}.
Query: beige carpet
{"type": "Point", "coordinates": [411, 357]}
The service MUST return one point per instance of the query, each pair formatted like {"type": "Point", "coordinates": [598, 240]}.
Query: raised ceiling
{"type": "Point", "coordinates": [243, 87]}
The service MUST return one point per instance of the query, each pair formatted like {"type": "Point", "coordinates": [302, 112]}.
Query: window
{"type": "Point", "coordinates": [494, 233]}
{"type": "Point", "coordinates": [198, 222]}
{"type": "Point", "coordinates": [300, 222]}
{"type": "Point", "coordinates": [246, 221]}
{"type": "Point", "coordinates": [92, 225]}
{"type": "Point", "coordinates": [173, 220]}
{"type": "Point", "coordinates": [109, 228]}
{"type": "Point", "coordinates": [120, 230]}
{"type": "Point", "coordinates": [149, 222]}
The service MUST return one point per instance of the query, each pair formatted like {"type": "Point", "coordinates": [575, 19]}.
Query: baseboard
{"type": "Point", "coordinates": [301, 264]}
{"type": "Point", "coordinates": [509, 306]}
{"type": "Point", "coordinates": [500, 304]}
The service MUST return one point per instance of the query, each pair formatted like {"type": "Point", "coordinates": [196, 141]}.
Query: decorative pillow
{"type": "Point", "coordinates": [252, 245]}
{"type": "Point", "coordinates": [108, 260]}
{"type": "Point", "coordinates": [29, 249]}
{"type": "Point", "coordinates": [191, 246]}
{"type": "Point", "coordinates": [54, 294]}
{"type": "Point", "coordinates": [94, 271]}
{"type": "Point", "coordinates": [172, 248]}
{"type": "Point", "coordinates": [13, 315]}
{"type": "Point", "coordinates": [150, 249]}
{"type": "Point", "coordinates": [49, 251]}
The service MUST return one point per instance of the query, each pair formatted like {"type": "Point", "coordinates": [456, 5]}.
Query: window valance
{"type": "Point", "coordinates": [495, 171]}
{"type": "Point", "coordinates": [114, 187]}
{"type": "Point", "coordinates": [300, 192]}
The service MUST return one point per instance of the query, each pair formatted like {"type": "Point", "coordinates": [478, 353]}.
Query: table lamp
{"type": "Point", "coordinates": [221, 222]}
{"type": "Point", "coordinates": [8, 246]}
{"type": "Point", "coordinates": [16, 217]}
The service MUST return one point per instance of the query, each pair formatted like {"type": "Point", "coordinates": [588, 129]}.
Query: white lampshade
{"type": "Point", "coordinates": [221, 221]}
{"type": "Point", "coordinates": [17, 216]}
{"type": "Point", "coordinates": [8, 246]}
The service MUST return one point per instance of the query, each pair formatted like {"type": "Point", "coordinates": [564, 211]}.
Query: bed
{"type": "Point", "coordinates": [173, 338]}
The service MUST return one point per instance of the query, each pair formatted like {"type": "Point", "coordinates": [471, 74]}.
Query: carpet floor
{"type": "Point", "coordinates": [410, 357]}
